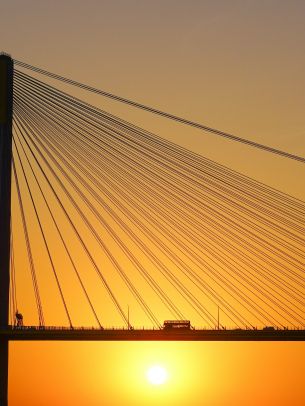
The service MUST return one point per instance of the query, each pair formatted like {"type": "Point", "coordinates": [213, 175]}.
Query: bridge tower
{"type": "Point", "coordinates": [6, 115]}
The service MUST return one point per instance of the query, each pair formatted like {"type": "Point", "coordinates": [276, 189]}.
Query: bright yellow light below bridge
{"type": "Point", "coordinates": [157, 375]}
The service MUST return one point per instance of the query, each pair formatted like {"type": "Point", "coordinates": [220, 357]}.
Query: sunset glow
{"type": "Point", "coordinates": [143, 234]}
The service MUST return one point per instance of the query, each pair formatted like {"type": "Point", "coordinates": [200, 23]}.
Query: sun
{"type": "Point", "coordinates": [157, 375]}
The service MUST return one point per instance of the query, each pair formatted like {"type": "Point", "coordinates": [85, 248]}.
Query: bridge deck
{"type": "Point", "coordinates": [85, 334]}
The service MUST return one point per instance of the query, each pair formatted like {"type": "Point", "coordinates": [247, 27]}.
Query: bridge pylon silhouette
{"type": "Point", "coordinates": [6, 116]}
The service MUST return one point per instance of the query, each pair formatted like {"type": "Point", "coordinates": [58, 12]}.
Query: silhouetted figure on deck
{"type": "Point", "coordinates": [18, 319]}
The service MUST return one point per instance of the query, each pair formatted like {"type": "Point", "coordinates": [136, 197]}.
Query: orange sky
{"type": "Point", "coordinates": [237, 66]}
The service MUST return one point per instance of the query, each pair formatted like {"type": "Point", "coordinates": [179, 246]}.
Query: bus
{"type": "Point", "coordinates": [177, 324]}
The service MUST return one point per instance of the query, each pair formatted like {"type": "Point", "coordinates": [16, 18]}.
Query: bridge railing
{"type": "Point", "coordinates": [137, 328]}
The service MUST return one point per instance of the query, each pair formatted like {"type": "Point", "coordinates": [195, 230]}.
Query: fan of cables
{"type": "Point", "coordinates": [130, 217]}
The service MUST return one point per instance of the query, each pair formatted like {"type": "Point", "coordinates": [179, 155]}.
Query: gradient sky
{"type": "Point", "coordinates": [234, 65]}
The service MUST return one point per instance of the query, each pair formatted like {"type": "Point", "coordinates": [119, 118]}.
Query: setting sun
{"type": "Point", "coordinates": [157, 375]}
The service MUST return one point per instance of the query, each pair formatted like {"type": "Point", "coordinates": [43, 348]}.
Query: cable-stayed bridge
{"type": "Point", "coordinates": [100, 217]}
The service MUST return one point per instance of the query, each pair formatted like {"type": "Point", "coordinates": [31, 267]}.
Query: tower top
{"type": "Point", "coordinates": [6, 88]}
{"type": "Point", "coordinates": [5, 55]}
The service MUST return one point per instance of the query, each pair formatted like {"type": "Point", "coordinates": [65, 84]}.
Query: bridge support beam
{"type": "Point", "coordinates": [6, 113]}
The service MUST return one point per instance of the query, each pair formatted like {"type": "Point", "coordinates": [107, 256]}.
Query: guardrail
{"type": "Point", "coordinates": [140, 328]}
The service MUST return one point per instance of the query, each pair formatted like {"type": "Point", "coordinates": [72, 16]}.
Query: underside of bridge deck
{"type": "Point", "coordinates": [80, 334]}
